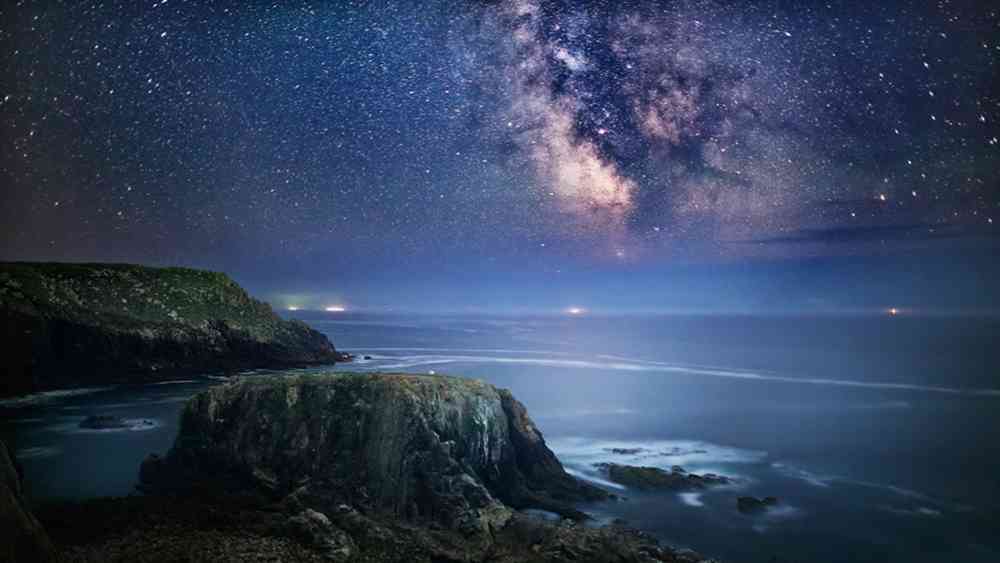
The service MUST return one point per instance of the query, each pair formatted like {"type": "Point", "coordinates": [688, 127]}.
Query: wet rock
{"type": "Point", "coordinates": [23, 538]}
{"type": "Point", "coordinates": [652, 478]}
{"type": "Point", "coordinates": [109, 422]}
{"type": "Point", "coordinates": [626, 451]}
{"type": "Point", "coordinates": [754, 505]}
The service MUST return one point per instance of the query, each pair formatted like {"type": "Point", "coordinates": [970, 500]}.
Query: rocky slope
{"type": "Point", "coordinates": [385, 467]}
{"type": "Point", "coordinates": [21, 536]}
{"type": "Point", "coordinates": [68, 325]}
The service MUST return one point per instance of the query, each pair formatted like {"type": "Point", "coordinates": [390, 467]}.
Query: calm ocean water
{"type": "Point", "coordinates": [878, 435]}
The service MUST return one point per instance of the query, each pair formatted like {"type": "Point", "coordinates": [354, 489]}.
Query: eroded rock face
{"type": "Point", "coordinates": [23, 538]}
{"type": "Point", "coordinates": [454, 452]}
{"type": "Point", "coordinates": [68, 325]}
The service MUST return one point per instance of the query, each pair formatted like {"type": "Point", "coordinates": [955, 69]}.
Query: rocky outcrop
{"type": "Point", "coordinates": [69, 325]}
{"type": "Point", "coordinates": [456, 452]}
{"type": "Point", "coordinates": [652, 478]}
{"type": "Point", "coordinates": [754, 505]}
{"type": "Point", "coordinates": [21, 536]}
{"type": "Point", "coordinates": [388, 467]}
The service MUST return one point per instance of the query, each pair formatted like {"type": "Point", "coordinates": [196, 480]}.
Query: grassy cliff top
{"type": "Point", "coordinates": [128, 293]}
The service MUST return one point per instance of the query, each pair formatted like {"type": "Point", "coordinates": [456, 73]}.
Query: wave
{"type": "Point", "coordinates": [691, 499]}
{"type": "Point", "coordinates": [637, 365]}
{"type": "Point", "coordinates": [37, 452]}
{"type": "Point", "coordinates": [50, 396]}
{"type": "Point", "coordinates": [580, 457]}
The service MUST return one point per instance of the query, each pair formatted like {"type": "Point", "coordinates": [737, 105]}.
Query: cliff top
{"type": "Point", "coordinates": [129, 293]}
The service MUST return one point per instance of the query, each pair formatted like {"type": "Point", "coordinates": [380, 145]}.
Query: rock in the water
{"type": "Point", "coordinates": [21, 536]}
{"type": "Point", "coordinates": [452, 451]}
{"type": "Point", "coordinates": [751, 505]}
{"type": "Point", "coordinates": [626, 451]}
{"type": "Point", "coordinates": [651, 478]}
{"type": "Point", "coordinates": [71, 325]}
{"type": "Point", "coordinates": [110, 422]}
{"type": "Point", "coordinates": [103, 422]}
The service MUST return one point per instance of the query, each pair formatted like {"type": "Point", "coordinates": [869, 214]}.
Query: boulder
{"type": "Point", "coordinates": [652, 478]}
{"type": "Point", "coordinates": [21, 536]}
{"type": "Point", "coordinates": [754, 505]}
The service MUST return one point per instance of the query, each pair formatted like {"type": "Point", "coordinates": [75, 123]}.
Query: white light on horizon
{"type": "Point", "coordinates": [293, 308]}
{"type": "Point", "coordinates": [576, 310]}
{"type": "Point", "coordinates": [335, 309]}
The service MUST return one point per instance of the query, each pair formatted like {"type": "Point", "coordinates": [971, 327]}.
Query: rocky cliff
{"type": "Point", "coordinates": [386, 467]}
{"type": "Point", "coordinates": [453, 451]}
{"type": "Point", "coordinates": [21, 536]}
{"type": "Point", "coordinates": [67, 325]}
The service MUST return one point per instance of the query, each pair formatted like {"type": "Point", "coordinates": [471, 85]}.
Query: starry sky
{"type": "Point", "coordinates": [519, 155]}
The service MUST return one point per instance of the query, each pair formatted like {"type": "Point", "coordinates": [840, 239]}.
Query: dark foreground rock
{"type": "Point", "coordinates": [753, 505]}
{"type": "Point", "coordinates": [169, 528]}
{"type": "Point", "coordinates": [379, 468]}
{"type": "Point", "coordinates": [652, 478]}
{"type": "Point", "coordinates": [73, 325]}
{"type": "Point", "coordinates": [21, 536]}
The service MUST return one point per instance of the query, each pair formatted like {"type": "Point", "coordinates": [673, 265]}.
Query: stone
{"type": "Point", "coordinates": [652, 478]}
{"type": "Point", "coordinates": [23, 538]}
{"type": "Point", "coordinates": [753, 505]}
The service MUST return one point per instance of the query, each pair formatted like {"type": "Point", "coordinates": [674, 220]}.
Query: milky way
{"type": "Point", "coordinates": [543, 134]}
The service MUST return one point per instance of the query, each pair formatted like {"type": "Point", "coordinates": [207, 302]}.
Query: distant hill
{"type": "Point", "coordinates": [71, 325]}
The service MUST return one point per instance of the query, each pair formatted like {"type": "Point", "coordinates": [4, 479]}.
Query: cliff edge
{"type": "Point", "coordinates": [71, 325]}
{"type": "Point", "coordinates": [387, 467]}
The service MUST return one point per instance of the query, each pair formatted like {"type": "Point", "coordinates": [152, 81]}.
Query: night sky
{"type": "Point", "coordinates": [515, 156]}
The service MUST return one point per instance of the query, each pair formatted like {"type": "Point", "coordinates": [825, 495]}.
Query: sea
{"type": "Point", "coordinates": [878, 435]}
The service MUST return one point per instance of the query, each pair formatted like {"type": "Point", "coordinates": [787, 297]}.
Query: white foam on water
{"type": "Point", "coordinates": [648, 366]}
{"type": "Point", "coordinates": [581, 456]}
{"type": "Point", "coordinates": [593, 478]}
{"type": "Point", "coordinates": [917, 512]}
{"type": "Point", "coordinates": [37, 452]}
{"type": "Point", "coordinates": [814, 479]}
{"type": "Point", "coordinates": [50, 396]}
{"type": "Point", "coordinates": [132, 425]}
{"type": "Point", "coordinates": [691, 499]}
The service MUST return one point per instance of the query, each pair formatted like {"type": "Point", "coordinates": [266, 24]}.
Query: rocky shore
{"type": "Point", "coordinates": [78, 325]}
{"type": "Point", "coordinates": [351, 467]}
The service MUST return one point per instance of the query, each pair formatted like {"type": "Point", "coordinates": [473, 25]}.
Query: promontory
{"type": "Point", "coordinates": [75, 325]}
